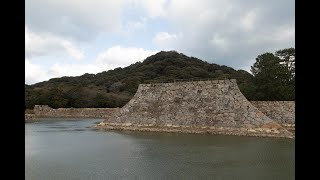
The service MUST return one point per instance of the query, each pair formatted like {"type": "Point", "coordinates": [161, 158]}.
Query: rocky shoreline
{"type": "Point", "coordinates": [255, 132]}
{"type": "Point", "coordinates": [289, 127]}
{"type": "Point", "coordinates": [30, 118]}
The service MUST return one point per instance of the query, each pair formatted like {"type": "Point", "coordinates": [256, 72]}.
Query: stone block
{"type": "Point", "coordinates": [271, 125]}
{"type": "Point", "coordinates": [252, 130]}
{"type": "Point", "coordinates": [169, 125]}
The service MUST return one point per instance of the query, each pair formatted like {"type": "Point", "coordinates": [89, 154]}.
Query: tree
{"type": "Point", "coordinates": [57, 98]}
{"type": "Point", "coordinates": [273, 78]}
{"type": "Point", "coordinates": [288, 57]}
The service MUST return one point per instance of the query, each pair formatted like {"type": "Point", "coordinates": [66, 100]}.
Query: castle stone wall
{"type": "Point", "coordinates": [282, 112]}
{"type": "Point", "coordinates": [46, 111]}
{"type": "Point", "coordinates": [195, 104]}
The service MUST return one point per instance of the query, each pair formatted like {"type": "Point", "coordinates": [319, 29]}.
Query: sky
{"type": "Point", "coordinates": [74, 37]}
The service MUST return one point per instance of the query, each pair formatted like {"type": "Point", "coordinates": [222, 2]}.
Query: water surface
{"type": "Point", "coordinates": [67, 149]}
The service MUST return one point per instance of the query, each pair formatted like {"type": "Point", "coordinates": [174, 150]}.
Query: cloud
{"type": "Point", "coordinates": [284, 34]}
{"type": "Point", "coordinates": [166, 40]}
{"type": "Point", "coordinates": [59, 70]}
{"type": "Point", "coordinates": [134, 26]}
{"type": "Point", "coordinates": [73, 52]}
{"type": "Point", "coordinates": [34, 73]}
{"type": "Point", "coordinates": [123, 56]}
{"type": "Point", "coordinates": [48, 45]}
{"type": "Point", "coordinates": [219, 42]}
{"type": "Point", "coordinates": [164, 36]}
{"type": "Point", "coordinates": [116, 56]}
{"type": "Point", "coordinates": [230, 32]}
{"type": "Point", "coordinates": [81, 20]}
{"type": "Point", "coordinates": [153, 9]}
{"type": "Point", "coordinates": [248, 21]}
{"type": "Point", "coordinates": [276, 36]}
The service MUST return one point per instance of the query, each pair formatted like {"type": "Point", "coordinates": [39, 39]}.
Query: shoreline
{"type": "Point", "coordinates": [288, 130]}
{"type": "Point", "coordinates": [30, 118]}
{"type": "Point", "coordinates": [253, 132]}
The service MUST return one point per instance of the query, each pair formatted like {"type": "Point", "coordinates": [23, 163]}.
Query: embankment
{"type": "Point", "coordinates": [29, 117]}
{"type": "Point", "coordinates": [216, 107]}
{"type": "Point", "coordinates": [44, 111]}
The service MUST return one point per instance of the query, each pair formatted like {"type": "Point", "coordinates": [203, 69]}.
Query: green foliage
{"type": "Point", "coordinates": [114, 88]}
{"type": "Point", "coordinates": [288, 58]}
{"type": "Point", "coordinates": [274, 76]}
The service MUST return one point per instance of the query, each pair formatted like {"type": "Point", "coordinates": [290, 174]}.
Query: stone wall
{"type": "Point", "coordinates": [29, 117]}
{"type": "Point", "coordinates": [282, 112]}
{"type": "Point", "coordinates": [46, 111]}
{"type": "Point", "coordinates": [192, 105]}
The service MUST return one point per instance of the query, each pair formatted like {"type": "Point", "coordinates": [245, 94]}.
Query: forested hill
{"type": "Point", "coordinates": [114, 88]}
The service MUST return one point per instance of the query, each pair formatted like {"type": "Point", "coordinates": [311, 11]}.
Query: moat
{"type": "Point", "coordinates": [68, 149]}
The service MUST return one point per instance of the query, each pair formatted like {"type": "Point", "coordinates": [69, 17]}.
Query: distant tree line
{"type": "Point", "coordinates": [272, 78]}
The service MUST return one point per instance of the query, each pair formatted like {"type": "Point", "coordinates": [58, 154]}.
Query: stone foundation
{"type": "Point", "coordinates": [282, 112]}
{"type": "Point", "coordinates": [29, 117]}
{"type": "Point", "coordinates": [198, 106]}
{"type": "Point", "coordinates": [255, 132]}
{"type": "Point", "coordinates": [44, 111]}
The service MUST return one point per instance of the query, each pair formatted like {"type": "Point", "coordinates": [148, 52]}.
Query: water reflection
{"type": "Point", "coordinates": [74, 151]}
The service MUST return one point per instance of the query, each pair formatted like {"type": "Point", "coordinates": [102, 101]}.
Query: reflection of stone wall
{"type": "Point", "coordinates": [282, 112]}
{"type": "Point", "coordinates": [46, 111]}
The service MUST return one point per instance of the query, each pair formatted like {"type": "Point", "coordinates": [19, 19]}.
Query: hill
{"type": "Point", "coordinates": [114, 88]}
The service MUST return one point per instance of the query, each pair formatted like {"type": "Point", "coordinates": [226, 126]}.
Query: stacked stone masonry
{"type": "Point", "coordinates": [282, 112]}
{"type": "Point", "coordinates": [193, 105]}
{"type": "Point", "coordinates": [29, 117]}
{"type": "Point", "coordinates": [43, 111]}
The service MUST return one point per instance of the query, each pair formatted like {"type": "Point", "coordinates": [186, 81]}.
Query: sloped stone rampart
{"type": "Point", "coordinates": [282, 112]}
{"type": "Point", "coordinates": [192, 105]}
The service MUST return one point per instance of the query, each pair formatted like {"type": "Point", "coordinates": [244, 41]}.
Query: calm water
{"type": "Point", "coordinates": [67, 149]}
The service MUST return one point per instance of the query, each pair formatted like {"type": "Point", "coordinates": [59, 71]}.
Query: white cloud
{"type": "Point", "coordinates": [34, 73]}
{"type": "Point", "coordinates": [78, 19]}
{"type": "Point", "coordinates": [134, 26]}
{"type": "Point", "coordinates": [219, 42]}
{"type": "Point", "coordinates": [59, 70]}
{"type": "Point", "coordinates": [123, 56]}
{"type": "Point", "coordinates": [166, 40]}
{"type": "Point", "coordinates": [75, 53]}
{"type": "Point", "coordinates": [277, 36]}
{"type": "Point", "coordinates": [247, 22]}
{"type": "Point", "coordinates": [284, 34]}
{"type": "Point", "coordinates": [48, 44]}
{"type": "Point", "coordinates": [111, 58]}
{"type": "Point", "coordinates": [164, 36]}
{"type": "Point", "coordinates": [230, 32]}
{"type": "Point", "coordinates": [200, 12]}
{"type": "Point", "coordinates": [153, 9]}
